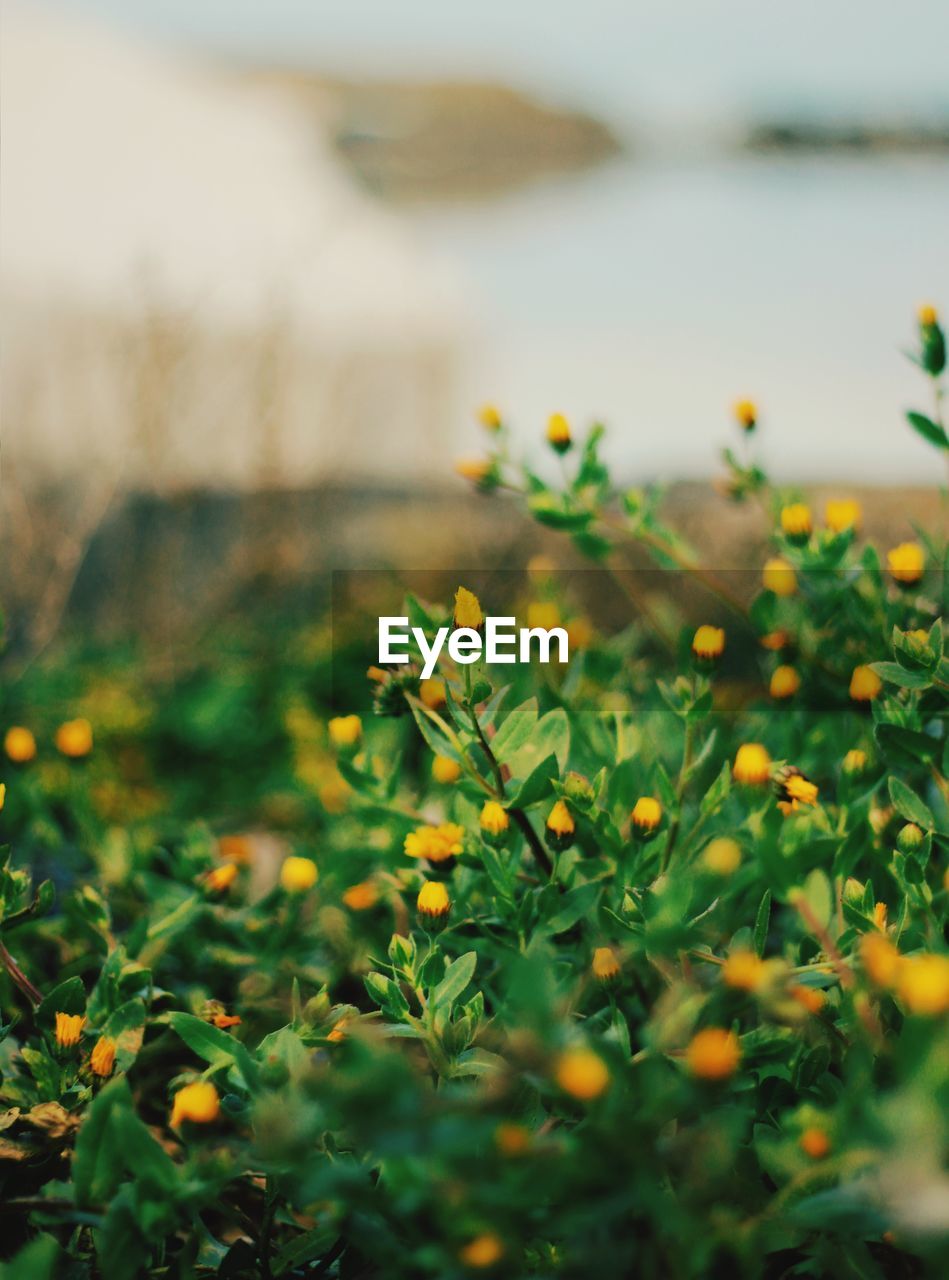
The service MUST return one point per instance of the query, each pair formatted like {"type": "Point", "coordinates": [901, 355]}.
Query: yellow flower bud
{"type": "Point", "coordinates": [605, 965]}
{"type": "Point", "coordinates": [482, 1252]}
{"type": "Point", "coordinates": [708, 643]}
{"type": "Point", "coordinates": [467, 609]}
{"type": "Point", "coordinates": [746, 414]}
{"type": "Point", "coordinates": [433, 902]}
{"type": "Point", "coordinates": [906, 562]}
{"type": "Point", "coordinates": [361, 897]}
{"type": "Point", "coordinates": [722, 856]}
{"type": "Point", "coordinates": [512, 1139]}
{"type": "Point", "coordinates": [490, 417]}
{"type": "Point", "coordinates": [220, 879]}
{"type": "Point", "coordinates": [713, 1054]}
{"type": "Point", "coordinates": [445, 770]}
{"type": "Point", "coordinates": [855, 761]}
{"type": "Point", "coordinates": [744, 970]}
{"type": "Point", "coordinates": [197, 1102]}
{"type": "Point", "coordinates": [927, 315]}
{"type": "Point", "coordinates": [582, 1073]}
{"type": "Point", "coordinates": [494, 821]}
{"type": "Point", "coordinates": [476, 470]}
{"type": "Point", "coordinates": [3, 795]}
{"type": "Point", "coordinates": [103, 1056]}
{"type": "Point", "coordinates": [431, 692]}
{"type": "Point", "coordinates": [865, 684]}
{"type": "Point", "coordinates": [560, 827]}
{"type": "Point", "coordinates": [909, 838]}
{"type": "Point", "coordinates": [814, 1143]}
{"type": "Point", "coordinates": [800, 789]}
{"type": "Point", "coordinates": [797, 522]}
{"type": "Point", "coordinates": [646, 815]}
{"type": "Point", "coordinates": [69, 1028]}
{"type": "Point", "coordinates": [774, 641]}
{"type": "Point", "coordinates": [345, 731]}
{"type": "Point", "coordinates": [880, 959]}
{"type": "Point", "coordinates": [752, 764]}
{"type": "Point", "coordinates": [785, 682]}
{"type": "Point", "coordinates": [74, 739]}
{"type": "Point", "coordinates": [922, 983]}
{"type": "Point", "coordinates": [19, 744]}
{"type": "Point", "coordinates": [779, 577]}
{"type": "Point", "coordinates": [298, 874]}
{"type": "Point", "coordinates": [842, 513]}
{"type": "Point", "coordinates": [558, 432]}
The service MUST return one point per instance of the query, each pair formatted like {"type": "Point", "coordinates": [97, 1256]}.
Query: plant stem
{"type": "Point", "coordinates": [33, 994]}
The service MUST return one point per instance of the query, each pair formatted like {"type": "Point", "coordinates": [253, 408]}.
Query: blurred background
{"type": "Point", "coordinates": [261, 262]}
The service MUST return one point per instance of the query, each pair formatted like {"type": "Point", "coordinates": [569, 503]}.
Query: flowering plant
{"type": "Point", "coordinates": [637, 967]}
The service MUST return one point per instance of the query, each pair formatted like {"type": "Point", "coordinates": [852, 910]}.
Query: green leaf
{"type": "Point", "coordinates": [893, 673]}
{"type": "Point", "coordinates": [212, 1044]}
{"type": "Point", "coordinates": [550, 736]}
{"type": "Point", "coordinates": [536, 785]}
{"type": "Point", "coordinates": [457, 976]}
{"type": "Point", "coordinates": [929, 430]}
{"type": "Point", "coordinates": [908, 804]}
{"type": "Point", "coordinates": [573, 907]}
{"type": "Point", "coordinates": [515, 730]}
{"type": "Point", "coordinates": [762, 920]}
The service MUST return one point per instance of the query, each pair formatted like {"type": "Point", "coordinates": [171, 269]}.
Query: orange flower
{"type": "Point", "coordinates": [605, 965]}
{"type": "Point", "coordinates": [482, 1252]}
{"type": "Point", "coordinates": [512, 1139]}
{"type": "Point", "coordinates": [69, 1028]}
{"type": "Point", "coordinates": [19, 744]}
{"type": "Point", "coordinates": [362, 896]}
{"type": "Point", "coordinates": [197, 1102]}
{"type": "Point", "coordinates": [906, 562]}
{"type": "Point", "coordinates": [74, 739]}
{"type": "Point", "coordinates": [814, 1143]}
{"type": "Point", "coordinates": [880, 959]}
{"type": "Point", "coordinates": [713, 1054]}
{"type": "Point", "coordinates": [752, 764]}
{"type": "Point", "coordinates": [224, 1020]}
{"type": "Point", "coordinates": [103, 1056]}
{"type": "Point", "coordinates": [582, 1073]}
{"type": "Point", "coordinates": [865, 684]}
{"type": "Point", "coordinates": [220, 879]}
{"type": "Point", "coordinates": [785, 682]}
{"type": "Point", "coordinates": [744, 970]}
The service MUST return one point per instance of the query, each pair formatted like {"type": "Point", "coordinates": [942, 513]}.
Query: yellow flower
{"type": "Point", "coordinates": [880, 959]}
{"type": "Point", "coordinates": [19, 744]}
{"type": "Point", "coordinates": [785, 682]}
{"type": "Point", "coordinates": [800, 789]}
{"type": "Point", "coordinates": [796, 521]}
{"type": "Point", "coordinates": [814, 1143]}
{"type": "Point", "coordinates": [436, 844]}
{"type": "Point", "coordinates": [361, 897]}
{"type": "Point", "coordinates": [927, 315]}
{"type": "Point", "coordinates": [490, 417]}
{"type": "Point", "coordinates": [445, 770]}
{"type": "Point", "coordinates": [752, 764]}
{"type": "Point", "coordinates": [605, 965]}
{"type": "Point", "coordinates": [3, 795]}
{"type": "Point", "coordinates": [74, 739]}
{"type": "Point", "coordinates": [298, 874]}
{"type": "Point", "coordinates": [922, 983]}
{"type": "Point", "coordinates": [337, 1033]}
{"type": "Point", "coordinates": [842, 513]}
{"type": "Point", "coordinates": [494, 820]}
{"type": "Point", "coordinates": [779, 577]}
{"type": "Point", "coordinates": [543, 613]}
{"type": "Point", "coordinates": [713, 1054]}
{"type": "Point", "coordinates": [512, 1139]}
{"type": "Point", "coordinates": [879, 916]}
{"type": "Point", "coordinates": [345, 731]}
{"type": "Point", "coordinates": [647, 814]}
{"type": "Point", "coordinates": [558, 432]}
{"type": "Point", "coordinates": [722, 856]}
{"type": "Point", "coordinates": [744, 970]}
{"type": "Point", "coordinates": [433, 901]}
{"type": "Point", "coordinates": [467, 609]}
{"type": "Point", "coordinates": [431, 692]}
{"type": "Point", "coordinates": [69, 1028]}
{"type": "Point", "coordinates": [482, 1252]}
{"type": "Point", "coordinates": [708, 643]}
{"type": "Point", "coordinates": [855, 761]}
{"type": "Point", "coordinates": [197, 1102]}
{"type": "Point", "coordinates": [221, 878]}
{"type": "Point", "coordinates": [582, 1073]}
{"type": "Point", "coordinates": [103, 1057]}
{"type": "Point", "coordinates": [746, 414]}
{"type": "Point", "coordinates": [906, 562]}
{"type": "Point", "coordinates": [865, 684]}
